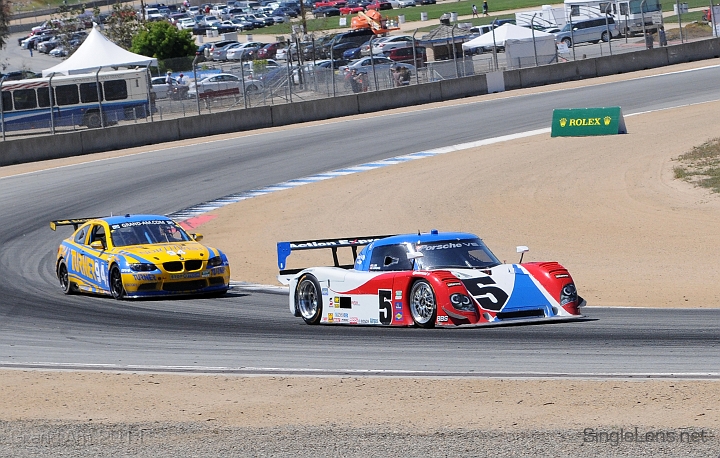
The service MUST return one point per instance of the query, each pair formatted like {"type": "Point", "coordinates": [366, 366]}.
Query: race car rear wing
{"type": "Point", "coordinates": [71, 222]}
{"type": "Point", "coordinates": [284, 249]}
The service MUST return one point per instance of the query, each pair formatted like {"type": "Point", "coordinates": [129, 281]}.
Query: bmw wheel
{"type": "Point", "coordinates": [116, 285]}
{"type": "Point", "coordinates": [568, 42]}
{"type": "Point", "coordinates": [423, 306]}
{"type": "Point", "coordinates": [65, 283]}
{"type": "Point", "coordinates": [308, 299]}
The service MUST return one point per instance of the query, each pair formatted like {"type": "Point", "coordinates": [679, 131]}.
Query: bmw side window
{"type": "Point", "coordinates": [81, 235]}
{"type": "Point", "coordinates": [98, 235]}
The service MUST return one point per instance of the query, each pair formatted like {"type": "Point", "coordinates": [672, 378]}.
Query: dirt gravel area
{"type": "Point", "coordinates": [97, 414]}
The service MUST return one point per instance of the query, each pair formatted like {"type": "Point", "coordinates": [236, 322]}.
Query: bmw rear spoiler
{"type": "Point", "coordinates": [284, 249]}
{"type": "Point", "coordinates": [71, 222]}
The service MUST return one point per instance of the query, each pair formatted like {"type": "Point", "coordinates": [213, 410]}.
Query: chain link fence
{"type": "Point", "coordinates": [262, 83]}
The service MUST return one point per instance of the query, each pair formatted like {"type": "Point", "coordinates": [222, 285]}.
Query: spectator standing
{"type": "Point", "coordinates": [474, 11]}
{"type": "Point", "coordinates": [662, 39]}
{"type": "Point", "coordinates": [648, 40]}
{"type": "Point", "coordinates": [181, 80]}
{"type": "Point", "coordinates": [485, 8]}
{"type": "Point", "coordinates": [31, 45]}
{"type": "Point", "coordinates": [405, 76]}
{"type": "Point", "coordinates": [396, 75]}
{"type": "Point", "coordinates": [354, 81]}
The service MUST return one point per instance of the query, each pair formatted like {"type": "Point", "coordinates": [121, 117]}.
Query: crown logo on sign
{"type": "Point", "coordinates": [607, 120]}
{"type": "Point", "coordinates": [563, 122]}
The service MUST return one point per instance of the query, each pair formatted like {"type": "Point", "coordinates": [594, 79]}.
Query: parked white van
{"type": "Point", "coordinates": [587, 30]}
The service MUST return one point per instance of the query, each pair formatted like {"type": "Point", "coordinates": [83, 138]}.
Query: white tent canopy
{"type": "Point", "coordinates": [98, 52]}
{"type": "Point", "coordinates": [506, 32]}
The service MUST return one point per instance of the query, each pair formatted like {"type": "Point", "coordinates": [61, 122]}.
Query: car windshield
{"type": "Point", "coordinates": [147, 232]}
{"type": "Point", "coordinates": [466, 254]}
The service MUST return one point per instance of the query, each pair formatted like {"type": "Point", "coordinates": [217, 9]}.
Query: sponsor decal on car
{"type": "Point", "coordinates": [144, 277]}
{"type": "Point", "coordinates": [183, 276]}
{"type": "Point", "coordinates": [353, 320]}
{"type": "Point", "coordinates": [398, 305]}
{"type": "Point", "coordinates": [330, 317]}
{"type": "Point", "coordinates": [364, 321]}
{"type": "Point", "coordinates": [324, 291]}
{"type": "Point", "coordinates": [398, 295]}
{"type": "Point", "coordinates": [374, 321]}
{"type": "Point", "coordinates": [398, 316]}
{"type": "Point", "coordinates": [442, 318]}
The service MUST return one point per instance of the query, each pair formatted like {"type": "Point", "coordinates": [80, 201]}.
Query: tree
{"type": "Point", "coordinates": [5, 15]}
{"type": "Point", "coordinates": [163, 40]}
{"type": "Point", "coordinates": [123, 25]}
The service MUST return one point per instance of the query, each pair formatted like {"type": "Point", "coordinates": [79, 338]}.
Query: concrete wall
{"type": "Point", "coordinates": [86, 141]}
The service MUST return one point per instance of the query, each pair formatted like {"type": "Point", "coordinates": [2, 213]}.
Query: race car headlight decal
{"type": "Point", "coordinates": [461, 301]}
{"type": "Point", "coordinates": [142, 267]}
{"type": "Point", "coordinates": [214, 262]}
{"type": "Point", "coordinates": [568, 294]}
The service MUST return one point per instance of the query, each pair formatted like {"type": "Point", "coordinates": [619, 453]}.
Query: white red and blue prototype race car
{"type": "Point", "coordinates": [431, 279]}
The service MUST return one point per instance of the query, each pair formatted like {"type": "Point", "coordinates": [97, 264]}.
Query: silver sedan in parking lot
{"type": "Point", "coordinates": [220, 85]}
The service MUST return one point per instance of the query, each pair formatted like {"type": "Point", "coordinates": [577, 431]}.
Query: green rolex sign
{"type": "Point", "coordinates": [579, 122]}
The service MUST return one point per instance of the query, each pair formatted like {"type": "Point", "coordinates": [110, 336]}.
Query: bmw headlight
{"type": "Point", "coordinates": [568, 294]}
{"type": "Point", "coordinates": [142, 267]}
{"type": "Point", "coordinates": [461, 301]}
{"type": "Point", "coordinates": [214, 262]}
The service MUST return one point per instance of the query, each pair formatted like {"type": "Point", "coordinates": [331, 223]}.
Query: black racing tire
{"type": "Point", "coordinates": [308, 299]}
{"type": "Point", "coordinates": [423, 304]}
{"type": "Point", "coordinates": [604, 37]}
{"type": "Point", "coordinates": [116, 286]}
{"type": "Point", "coordinates": [568, 42]}
{"type": "Point", "coordinates": [65, 283]}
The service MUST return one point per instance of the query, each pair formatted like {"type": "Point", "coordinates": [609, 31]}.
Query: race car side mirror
{"type": "Point", "coordinates": [522, 250]}
{"type": "Point", "coordinates": [197, 237]}
{"type": "Point", "coordinates": [97, 245]}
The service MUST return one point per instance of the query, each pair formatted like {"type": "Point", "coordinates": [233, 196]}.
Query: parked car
{"type": "Point", "coordinates": [256, 22]}
{"type": "Point", "coordinates": [326, 11]}
{"type": "Point", "coordinates": [246, 51]}
{"type": "Point", "coordinates": [588, 31]}
{"type": "Point", "coordinates": [379, 5]}
{"type": "Point", "coordinates": [221, 53]}
{"type": "Point", "coordinates": [220, 85]}
{"type": "Point", "coordinates": [270, 50]}
{"type": "Point", "coordinates": [346, 40]}
{"type": "Point", "coordinates": [210, 47]}
{"type": "Point", "coordinates": [351, 8]}
{"type": "Point", "coordinates": [285, 11]}
{"type": "Point", "coordinates": [186, 23]}
{"type": "Point", "coordinates": [172, 90]}
{"type": "Point", "coordinates": [392, 42]}
{"type": "Point", "coordinates": [405, 3]}
{"type": "Point", "coordinates": [405, 55]}
{"type": "Point", "coordinates": [153, 14]}
{"type": "Point", "coordinates": [380, 63]}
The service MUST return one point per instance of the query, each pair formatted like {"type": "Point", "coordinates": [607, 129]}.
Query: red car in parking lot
{"type": "Point", "coordinates": [269, 51]}
{"type": "Point", "coordinates": [405, 55]}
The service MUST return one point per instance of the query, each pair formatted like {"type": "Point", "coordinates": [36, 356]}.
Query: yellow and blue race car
{"type": "Point", "coordinates": [138, 256]}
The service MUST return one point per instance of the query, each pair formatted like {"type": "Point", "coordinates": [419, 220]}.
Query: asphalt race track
{"type": "Point", "coordinates": [253, 331]}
